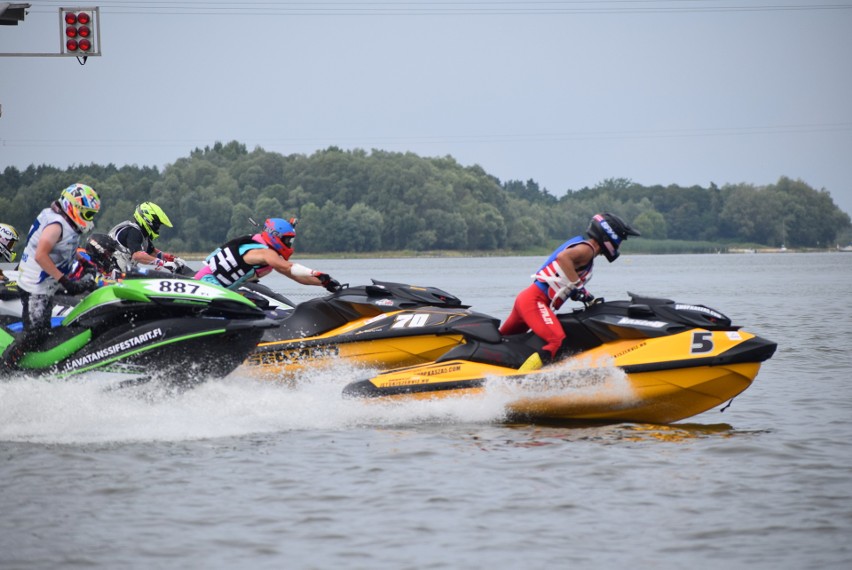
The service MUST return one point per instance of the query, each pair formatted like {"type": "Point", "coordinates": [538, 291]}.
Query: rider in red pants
{"type": "Point", "coordinates": [563, 276]}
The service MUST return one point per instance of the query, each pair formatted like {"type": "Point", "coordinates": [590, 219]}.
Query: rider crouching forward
{"type": "Point", "coordinates": [138, 236]}
{"type": "Point", "coordinates": [563, 276]}
{"type": "Point", "coordinates": [253, 256]}
{"type": "Point", "coordinates": [103, 258]}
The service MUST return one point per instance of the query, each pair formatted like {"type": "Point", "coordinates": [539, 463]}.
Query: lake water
{"type": "Point", "coordinates": [240, 473]}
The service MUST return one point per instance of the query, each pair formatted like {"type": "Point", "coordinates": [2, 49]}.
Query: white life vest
{"type": "Point", "coordinates": [33, 279]}
{"type": "Point", "coordinates": [551, 279]}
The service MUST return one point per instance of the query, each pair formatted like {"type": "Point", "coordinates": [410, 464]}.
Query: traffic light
{"type": "Point", "coordinates": [80, 31]}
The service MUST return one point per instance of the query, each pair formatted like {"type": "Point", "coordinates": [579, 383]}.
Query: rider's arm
{"type": "Point", "coordinates": [570, 258]}
{"type": "Point", "coordinates": [50, 236]}
{"type": "Point", "coordinates": [131, 238]}
{"type": "Point", "coordinates": [143, 257]}
{"type": "Point", "coordinates": [268, 257]}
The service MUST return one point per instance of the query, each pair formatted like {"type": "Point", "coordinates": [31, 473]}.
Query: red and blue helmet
{"type": "Point", "coordinates": [279, 234]}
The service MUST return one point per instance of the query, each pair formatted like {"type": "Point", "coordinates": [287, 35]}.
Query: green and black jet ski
{"type": "Point", "coordinates": [176, 330]}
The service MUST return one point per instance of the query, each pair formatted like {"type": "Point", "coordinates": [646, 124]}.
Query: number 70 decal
{"type": "Point", "coordinates": [701, 342]}
{"type": "Point", "coordinates": [410, 321]}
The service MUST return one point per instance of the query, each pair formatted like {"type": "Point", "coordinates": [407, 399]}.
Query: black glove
{"type": "Point", "coordinates": [84, 285]}
{"type": "Point", "coordinates": [331, 285]}
{"type": "Point", "coordinates": [581, 295]}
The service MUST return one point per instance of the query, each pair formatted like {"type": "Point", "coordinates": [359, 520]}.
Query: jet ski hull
{"type": "Point", "coordinates": [286, 358]}
{"type": "Point", "coordinates": [655, 397]}
{"type": "Point", "coordinates": [181, 351]}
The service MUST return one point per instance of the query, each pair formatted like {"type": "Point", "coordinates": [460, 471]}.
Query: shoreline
{"type": "Point", "coordinates": [195, 256]}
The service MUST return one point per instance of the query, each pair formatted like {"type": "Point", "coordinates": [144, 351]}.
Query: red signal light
{"type": "Point", "coordinates": [78, 30]}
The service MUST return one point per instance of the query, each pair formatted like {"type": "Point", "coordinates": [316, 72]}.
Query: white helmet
{"type": "Point", "coordinates": [8, 240]}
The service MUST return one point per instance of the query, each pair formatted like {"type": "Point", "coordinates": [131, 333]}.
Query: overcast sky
{"type": "Point", "coordinates": [566, 93]}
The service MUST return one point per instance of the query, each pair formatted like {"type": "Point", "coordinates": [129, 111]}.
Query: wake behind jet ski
{"type": "Point", "coordinates": [381, 325]}
{"type": "Point", "coordinates": [678, 359]}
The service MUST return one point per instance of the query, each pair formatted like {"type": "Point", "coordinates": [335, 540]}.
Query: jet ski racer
{"type": "Point", "coordinates": [102, 257]}
{"type": "Point", "coordinates": [46, 262]}
{"type": "Point", "coordinates": [138, 236]}
{"type": "Point", "coordinates": [253, 256]}
{"type": "Point", "coordinates": [563, 276]}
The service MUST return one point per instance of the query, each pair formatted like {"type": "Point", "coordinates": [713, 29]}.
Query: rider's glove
{"type": "Point", "coordinates": [175, 265]}
{"type": "Point", "coordinates": [84, 285]}
{"type": "Point", "coordinates": [581, 295]}
{"type": "Point", "coordinates": [165, 256]}
{"type": "Point", "coordinates": [331, 285]}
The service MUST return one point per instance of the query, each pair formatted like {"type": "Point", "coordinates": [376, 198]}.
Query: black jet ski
{"type": "Point", "coordinates": [673, 361]}
{"type": "Point", "coordinates": [381, 325]}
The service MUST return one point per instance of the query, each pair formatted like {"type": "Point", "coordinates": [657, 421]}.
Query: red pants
{"type": "Point", "coordinates": [532, 312]}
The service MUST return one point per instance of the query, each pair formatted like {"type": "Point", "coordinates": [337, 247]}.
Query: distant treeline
{"type": "Point", "coordinates": [359, 201]}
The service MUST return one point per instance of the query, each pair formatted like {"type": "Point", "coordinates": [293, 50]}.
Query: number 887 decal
{"type": "Point", "coordinates": [183, 287]}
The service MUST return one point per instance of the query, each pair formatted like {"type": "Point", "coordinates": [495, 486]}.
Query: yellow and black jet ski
{"type": "Point", "coordinates": [382, 325]}
{"type": "Point", "coordinates": [640, 360]}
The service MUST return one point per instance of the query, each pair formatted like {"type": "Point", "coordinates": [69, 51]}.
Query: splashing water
{"type": "Point", "coordinates": [580, 378]}
{"type": "Point", "coordinates": [82, 411]}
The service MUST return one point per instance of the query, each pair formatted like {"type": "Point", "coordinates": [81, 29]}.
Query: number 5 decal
{"type": "Point", "coordinates": [701, 342]}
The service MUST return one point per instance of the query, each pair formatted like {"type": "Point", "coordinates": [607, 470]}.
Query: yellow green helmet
{"type": "Point", "coordinates": [150, 217]}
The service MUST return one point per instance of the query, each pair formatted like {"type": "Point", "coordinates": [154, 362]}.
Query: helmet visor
{"type": "Point", "coordinates": [87, 214]}
{"type": "Point", "coordinates": [286, 239]}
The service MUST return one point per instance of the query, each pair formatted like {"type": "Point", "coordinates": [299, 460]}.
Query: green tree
{"type": "Point", "coordinates": [366, 227]}
{"type": "Point", "coordinates": [651, 224]}
{"type": "Point", "coordinates": [486, 227]}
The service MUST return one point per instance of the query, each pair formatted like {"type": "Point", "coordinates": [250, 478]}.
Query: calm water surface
{"type": "Point", "coordinates": [246, 474]}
